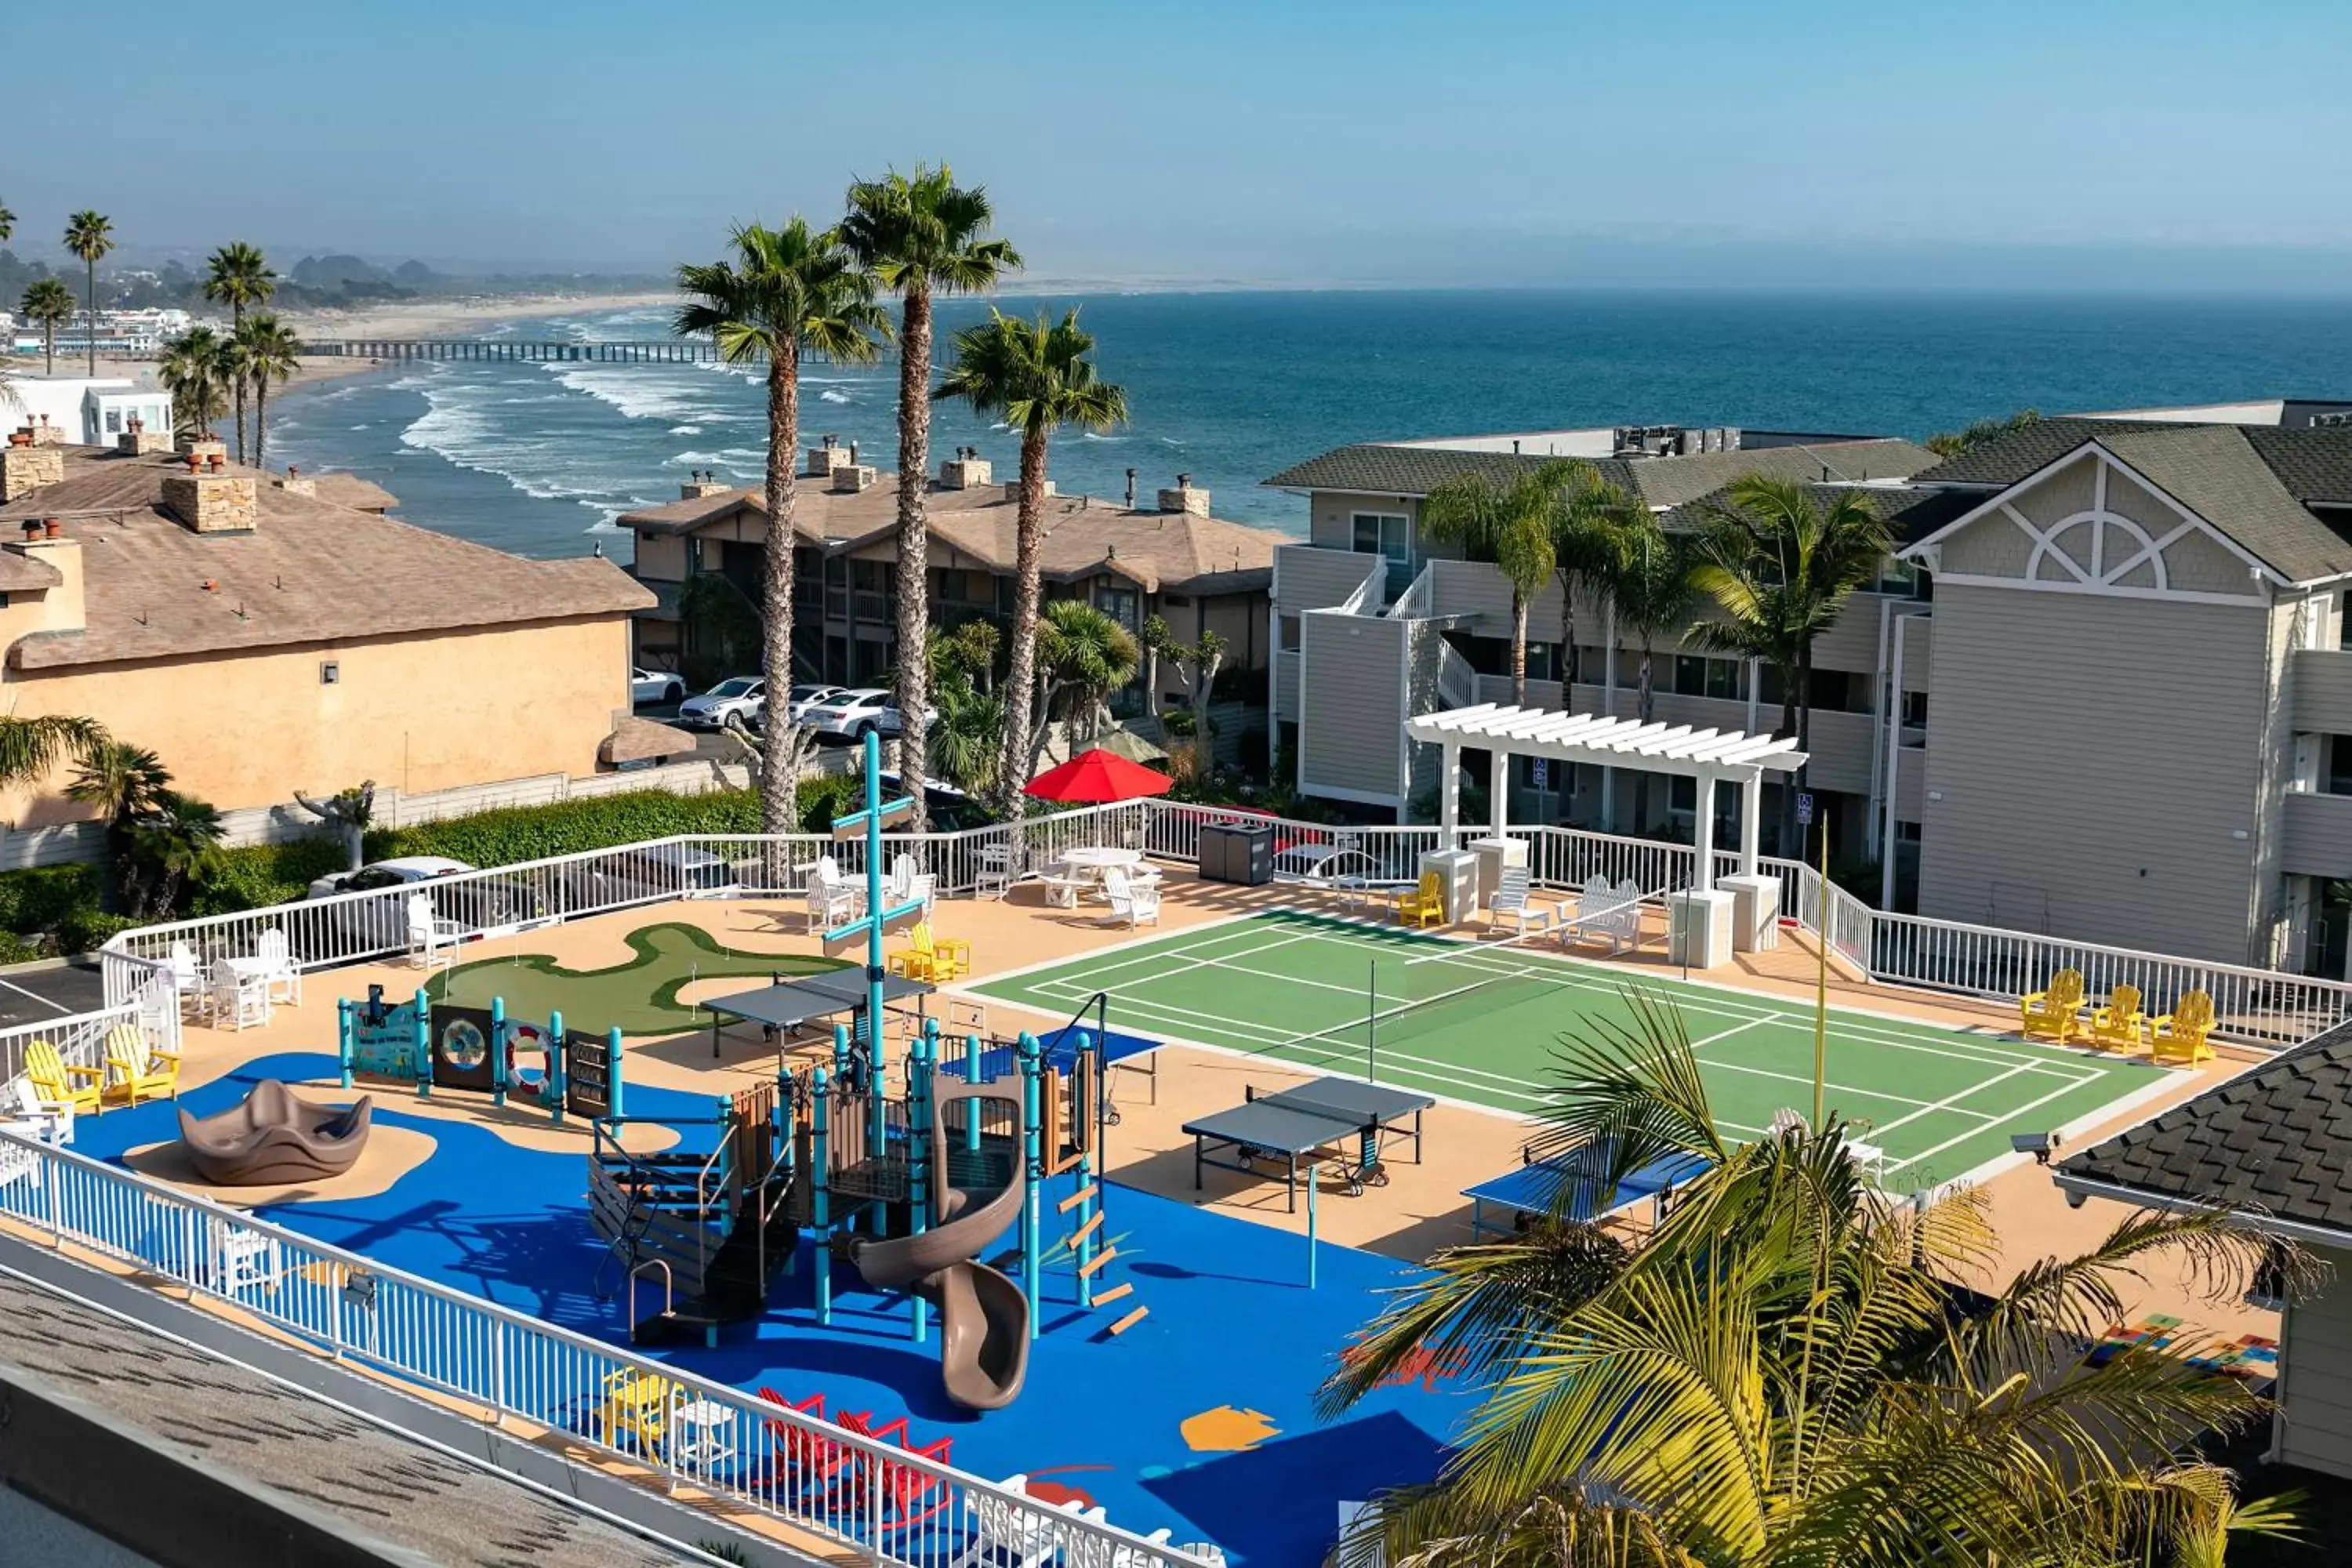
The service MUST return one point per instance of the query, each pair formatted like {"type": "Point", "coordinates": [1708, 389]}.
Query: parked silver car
{"type": "Point", "coordinates": [735, 703]}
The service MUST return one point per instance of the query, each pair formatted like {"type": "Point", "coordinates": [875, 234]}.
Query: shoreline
{"type": "Point", "coordinates": [439, 317]}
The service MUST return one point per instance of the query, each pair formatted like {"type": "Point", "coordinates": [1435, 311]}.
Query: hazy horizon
{"type": "Point", "coordinates": [1825, 145]}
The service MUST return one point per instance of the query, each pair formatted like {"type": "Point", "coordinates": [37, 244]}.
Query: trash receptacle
{"type": "Point", "coordinates": [1239, 852]}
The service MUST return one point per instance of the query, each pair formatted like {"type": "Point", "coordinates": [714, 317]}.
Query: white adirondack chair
{"type": "Point", "coordinates": [1510, 903]}
{"type": "Point", "coordinates": [909, 886]}
{"type": "Point", "coordinates": [281, 971]}
{"type": "Point", "coordinates": [1133, 899]}
{"type": "Point", "coordinates": [240, 1001]}
{"type": "Point", "coordinates": [188, 977]}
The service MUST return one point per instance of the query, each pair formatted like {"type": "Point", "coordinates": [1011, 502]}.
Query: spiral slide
{"type": "Point", "coordinates": [983, 1316]}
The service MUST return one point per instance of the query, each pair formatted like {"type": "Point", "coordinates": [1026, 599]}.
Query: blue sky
{"type": "Point", "coordinates": [2072, 143]}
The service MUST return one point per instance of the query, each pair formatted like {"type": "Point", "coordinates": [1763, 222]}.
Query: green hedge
{"type": "Point", "coordinates": [57, 907]}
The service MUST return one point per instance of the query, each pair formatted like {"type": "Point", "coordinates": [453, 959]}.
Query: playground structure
{"type": "Point", "coordinates": [270, 1137]}
{"type": "Point", "coordinates": [478, 1049]}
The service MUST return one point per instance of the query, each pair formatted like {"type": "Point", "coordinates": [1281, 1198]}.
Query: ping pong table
{"type": "Point", "coordinates": [1572, 1186]}
{"type": "Point", "coordinates": [1310, 1122]}
{"type": "Point", "coordinates": [786, 1006]}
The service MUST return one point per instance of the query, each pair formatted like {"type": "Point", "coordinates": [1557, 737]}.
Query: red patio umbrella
{"type": "Point", "coordinates": [1096, 776]}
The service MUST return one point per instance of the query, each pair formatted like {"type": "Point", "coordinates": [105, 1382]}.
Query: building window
{"type": "Point", "coordinates": [1386, 533]}
{"type": "Point", "coordinates": [1899, 579]}
{"type": "Point", "coordinates": [1914, 710]}
{"type": "Point", "coordinates": [329, 672]}
{"type": "Point", "coordinates": [1290, 632]}
{"type": "Point", "coordinates": [1124, 606]}
{"type": "Point", "coordinates": [1696, 675]}
{"type": "Point", "coordinates": [1176, 601]}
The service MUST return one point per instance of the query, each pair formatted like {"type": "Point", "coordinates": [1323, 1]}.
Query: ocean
{"type": "Point", "coordinates": [1232, 387]}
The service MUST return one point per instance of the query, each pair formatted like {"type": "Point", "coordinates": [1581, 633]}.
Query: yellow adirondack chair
{"type": "Point", "coordinates": [2119, 1022]}
{"type": "Point", "coordinates": [137, 1071]}
{"type": "Point", "coordinates": [2179, 1036]}
{"type": "Point", "coordinates": [60, 1082]}
{"type": "Point", "coordinates": [932, 958]}
{"type": "Point", "coordinates": [2050, 1015]}
{"type": "Point", "coordinates": [1425, 905]}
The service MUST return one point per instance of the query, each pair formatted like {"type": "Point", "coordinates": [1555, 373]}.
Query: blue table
{"type": "Point", "coordinates": [1571, 1186]}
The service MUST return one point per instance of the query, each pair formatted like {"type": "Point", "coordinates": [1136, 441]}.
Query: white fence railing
{"type": "Point", "coordinates": [2255, 1006]}
{"type": "Point", "coordinates": [869, 1501]}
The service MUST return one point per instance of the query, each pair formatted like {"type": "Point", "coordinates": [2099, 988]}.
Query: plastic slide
{"type": "Point", "coordinates": [984, 1317]}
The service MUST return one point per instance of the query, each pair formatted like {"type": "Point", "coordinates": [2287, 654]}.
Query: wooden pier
{"type": "Point", "coordinates": [521, 351]}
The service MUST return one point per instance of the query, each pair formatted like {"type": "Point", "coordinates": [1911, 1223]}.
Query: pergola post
{"type": "Point", "coordinates": [1703, 830]}
{"type": "Point", "coordinates": [1755, 898]}
{"type": "Point", "coordinates": [1498, 790]}
{"type": "Point", "coordinates": [1449, 794]}
{"type": "Point", "coordinates": [1751, 819]}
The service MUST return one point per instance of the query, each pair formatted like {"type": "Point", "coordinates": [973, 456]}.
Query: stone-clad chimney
{"type": "Point", "coordinates": [25, 468]}
{"type": "Point", "coordinates": [967, 471]}
{"type": "Point", "coordinates": [213, 503]}
{"type": "Point", "coordinates": [700, 484]}
{"type": "Point", "coordinates": [849, 479]}
{"type": "Point", "coordinates": [823, 460]}
{"type": "Point", "coordinates": [1185, 497]}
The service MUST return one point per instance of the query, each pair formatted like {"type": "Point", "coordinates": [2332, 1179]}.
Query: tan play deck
{"type": "Point", "coordinates": [1418, 1212]}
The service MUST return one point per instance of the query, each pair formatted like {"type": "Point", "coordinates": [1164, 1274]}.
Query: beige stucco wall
{"type": "Point", "coordinates": [414, 713]}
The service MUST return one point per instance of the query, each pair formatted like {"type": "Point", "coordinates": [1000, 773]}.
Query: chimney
{"type": "Point", "coordinates": [851, 478]}
{"type": "Point", "coordinates": [213, 503]}
{"type": "Point", "coordinates": [294, 484]}
{"type": "Point", "coordinates": [703, 483]}
{"type": "Point", "coordinates": [25, 468]}
{"type": "Point", "coordinates": [138, 441]}
{"type": "Point", "coordinates": [45, 433]}
{"type": "Point", "coordinates": [823, 460]}
{"type": "Point", "coordinates": [967, 471]}
{"type": "Point", "coordinates": [1185, 497]}
{"type": "Point", "coordinates": [59, 608]}
{"type": "Point", "coordinates": [1012, 489]}
{"type": "Point", "coordinates": [1131, 489]}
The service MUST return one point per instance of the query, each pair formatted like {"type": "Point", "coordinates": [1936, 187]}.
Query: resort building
{"type": "Point", "coordinates": [2168, 582]}
{"type": "Point", "coordinates": [261, 638]}
{"type": "Point", "coordinates": [1196, 572]}
{"type": "Point", "coordinates": [88, 411]}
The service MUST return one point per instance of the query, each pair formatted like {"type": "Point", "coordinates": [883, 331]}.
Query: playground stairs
{"type": "Point", "coordinates": [700, 1254]}
{"type": "Point", "coordinates": [1092, 1255]}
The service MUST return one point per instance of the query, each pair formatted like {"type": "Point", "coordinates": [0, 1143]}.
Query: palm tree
{"type": "Point", "coordinates": [967, 742]}
{"type": "Point", "coordinates": [124, 781]}
{"type": "Point", "coordinates": [176, 838]}
{"type": "Point", "coordinates": [1952, 443]}
{"type": "Point", "coordinates": [48, 301]}
{"type": "Point", "coordinates": [268, 351]}
{"type": "Point", "coordinates": [196, 369]}
{"type": "Point", "coordinates": [1083, 655]}
{"type": "Point", "coordinates": [1782, 1374]}
{"type": "Point", "coordinates": [29, 748]}
{"type": "Point", "coordinates": [785, 290]}
{"type": "Point", "coordinates": [1515, 526]}
{"type": "Point", "coordinates": [1651, 597]}
{"type": "Point", "coordinates": [1781, 567]}
{"type": "Point", "coordinates": [8, 226]}
{"type": "Point", "coordinates": [90, 235]}
{"type": "Point", "coordinates": [1037, 376]}
{"type": "Point", "coordinates": [1590, 543]}
{"type": "Point", "coordinates": [237, 276]}
{"type": "Point", "coordinates": [919, 234]}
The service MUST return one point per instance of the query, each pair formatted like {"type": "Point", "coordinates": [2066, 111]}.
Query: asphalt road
{"type": "Point", "coordinates": [35, 994]}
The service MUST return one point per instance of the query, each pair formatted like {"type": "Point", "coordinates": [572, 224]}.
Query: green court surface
{"type": "Point", "coordinates": [639, 996]}
{"type": "Point", "coordinates": [1481, 1025]}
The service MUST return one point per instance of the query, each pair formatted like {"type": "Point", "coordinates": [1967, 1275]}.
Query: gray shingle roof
{"type": "Point", "coordinates": [2313, 465]}
{"type": "Point", "coordinates": [1374, 468]}
{"type": "Point", "coordinates": [2273, 1140]}
{"type": "Point", "coordinates": [2215, 472]}
{"type": "Point", "coordinates": [1910, 513]}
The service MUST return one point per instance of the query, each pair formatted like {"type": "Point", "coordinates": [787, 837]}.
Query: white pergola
{"type": "Point", "coordinates": [1710, 757]}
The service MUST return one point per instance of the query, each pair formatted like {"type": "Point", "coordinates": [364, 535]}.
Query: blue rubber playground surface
{"type": "Point", "coordinates": [1200, 1418]}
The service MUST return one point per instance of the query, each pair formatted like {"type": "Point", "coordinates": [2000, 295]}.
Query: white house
{"type": "Point", "coordinates": [91, 412]}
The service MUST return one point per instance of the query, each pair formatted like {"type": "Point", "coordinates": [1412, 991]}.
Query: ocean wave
{"type": "Point", "coordinates": [465, 429]}
{"type": "Point", "coordinates": [1105, 440]}
{"type": "Point", "coordinates": [829, 395]}
{"type": "Point", "coordinates": [637, 391]}
{"type": "Point", "coordinates": [686, 429]}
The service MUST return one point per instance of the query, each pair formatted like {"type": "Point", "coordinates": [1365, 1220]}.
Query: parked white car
{"type": "Point", "coordinates": [806, 697]}
{"type": "Point", "coordinates": [735, 703]}
{"type": "Point", "coordinates": [853, 715]}
{"type": "Point", "coordinates": [380, 924]}
{"type": "Point", "coordinates": [655, 685]}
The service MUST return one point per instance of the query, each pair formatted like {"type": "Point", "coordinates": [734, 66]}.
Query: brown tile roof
{"type": "Point", "coordinates": [1160, 551]}
{"type": "Point", "coordinates": [310, 572]}
{"type": "Point", "coordinates": [359, 494]}
{"type": "Point", "coordinates": [19, 573]}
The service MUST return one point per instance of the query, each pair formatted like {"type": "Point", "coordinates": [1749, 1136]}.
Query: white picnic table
{"type": "Point", "coordinates": [1080, 872]}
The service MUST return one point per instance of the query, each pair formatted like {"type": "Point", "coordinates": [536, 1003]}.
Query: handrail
{"type": "Point", "coordinates": [506, 1367]}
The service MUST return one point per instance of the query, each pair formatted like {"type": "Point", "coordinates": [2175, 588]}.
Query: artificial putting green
{"type": "Point", "coordinates": [640, 996]}
{"type": "Point", "coordinates": [1312, 992]}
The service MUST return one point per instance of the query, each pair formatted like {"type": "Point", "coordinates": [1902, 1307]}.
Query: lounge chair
{"type": "Point", "coordinates": [1425, 904]}
{"type": "Point", "coordinates": [1133, 899]}
{"type": "Point", "coordinates": [2050, 1015]}
{"type": "Point", "coordinates": [137, 1070]}
{"type": "Point", "coordinates": [1510, 902]}
{"type": "Point", "coordinates": [2179, 1036]}
{"type": "Point", "coordinates": [908, 886]}
{"type": "Point", "coordinates": [2119, 1021]}
{"type": "Point", "coordinates": [60, 1082]}
{"type": "Point", "coordinates": [51, 1122]}
{"type": "Point", "coordinates": [241, 997]}
{"type": "Point", "coordinates": [271, 1137]}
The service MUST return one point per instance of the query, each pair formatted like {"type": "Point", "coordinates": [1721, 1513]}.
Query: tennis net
{"type": "Point", "coordinates": [1443, 991]}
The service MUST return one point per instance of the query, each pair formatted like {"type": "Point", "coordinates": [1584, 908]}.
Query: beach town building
{"type": "Point", "coordinates": [88, 411]}
{"type": "Point", "coordinates": [1171, 559]}
{"type": "Point", "coordinates": [2162, 584]}
{"type": "Point", "coordinates": [262, 638]}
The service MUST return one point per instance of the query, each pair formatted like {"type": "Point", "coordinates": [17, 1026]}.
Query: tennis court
{"type": "Point", "coordinates": [1479, 1024]}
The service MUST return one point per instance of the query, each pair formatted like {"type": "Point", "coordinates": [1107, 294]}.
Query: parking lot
{"type": "Point", "coordinates": [39, 992]}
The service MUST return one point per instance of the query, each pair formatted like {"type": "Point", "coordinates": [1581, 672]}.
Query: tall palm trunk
{"type": "Point", "coordinates": [1795, 720]}
{"type": "Point", "coordinates": [90, 309]}
{"type": "Point", "coordinates": [914, 543]}
{"type": "Point", "coordinates": [1518, 650]}
{"type": "Point", "coordinates": [779, 759]}
{"type": "Point", "coordinates": [1644, 704]}
{"type": "Point", "coordinates": [260, 417]}
{"type": "Point", "coordinates": [49, 348]}
{"type": "Point", "coordinates": [1802, 700]}
{"type": "Point", "coordinates": [1021, 672]}
{"type": "Point", "coordinates": [236, 329]}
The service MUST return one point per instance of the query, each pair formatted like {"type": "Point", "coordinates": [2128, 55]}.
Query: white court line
{"type": "Point", "coordinates": [2005, 1116]}
{"type": "Point", "coordinates": [61, 1011]}
{"type": "Point", "coordinates": [1726, 1034]}
{"type": "Point", "coordinates": [1949, 1103]}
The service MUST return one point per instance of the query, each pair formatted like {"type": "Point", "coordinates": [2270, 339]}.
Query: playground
{"type": "Point", "coordinates": [1100, 1212]}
